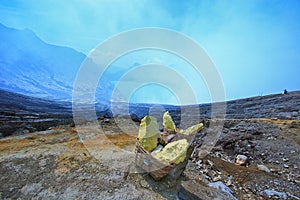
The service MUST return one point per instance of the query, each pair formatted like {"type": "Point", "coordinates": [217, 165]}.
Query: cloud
{"type": "Point", "coordinates": [253, 43]}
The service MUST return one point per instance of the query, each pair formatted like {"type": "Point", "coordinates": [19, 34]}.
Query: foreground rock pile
{"type": "Point", "coordinates": [255, 159]}
{"type": "Point", "coordinates": [165, 146]}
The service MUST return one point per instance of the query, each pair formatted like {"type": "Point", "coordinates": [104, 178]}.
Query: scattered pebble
{"type": "Point", "coordinates": [263, 168]}
{"type": "Point", "coordinates": [229, 181]}
{"type": "Point", "coordinates": [218, 154]}
{"type": "Point", "coordinates": [210, 163]}
{"type": "Point", "coordinates": [218, 178]}
{"type": "Point", "coordinates": [144, 183]}
{"type": "Point", "coordinates": [285, 166]}
{"type": "Point", "coordinates": [241, 159]}
{"type": "Point", "coordinates": [272, 193]}
{"type": "Point", "coordinates": [109, 191]}
{"type": "Point", "coordinates": [285, 159]}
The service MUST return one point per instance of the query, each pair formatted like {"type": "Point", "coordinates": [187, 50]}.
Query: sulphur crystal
{"type": "Point", "coordinates": [192, 130]}
{"type": "Point", "coordinates": [168, 122]}
{"type": "Point", "coordinates": [148, 133]}
{"type": "Point", "coordinates": [172, 153]}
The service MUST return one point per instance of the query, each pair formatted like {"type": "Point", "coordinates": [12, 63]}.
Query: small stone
{"type": "Point", "coordinates": [218, 178]}
{"type": "Point", "coordinates": [285, 166]}
{"type": "Point", "coordinates": [285, 159]}
{"type": "Point", "coordinates": [210, 163]}
{"type": "Point", "coordinates": [218, 155]}
{"type": "Point", "coordinates": [241, 159]}
{"type": "Point", "coordinates": [272, 193]}
{"type": "Point", "coordinates": [263, 168]}
{"type": "Point", "coordinates": [199, 162]}
{"type": "Point", "coordinates": [229, 181]}
{"type": "Point", "coordinates": [144, 183]}
{"type": "Point", "coordinates": [106, 120]}
{"type": "Point", "coordinates": [273, 170]}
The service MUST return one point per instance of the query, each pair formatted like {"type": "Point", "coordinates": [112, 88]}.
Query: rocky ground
{"type": "Point", "coordinates": [58, 164]}
{"type": "Point", "coordinates": [255, 157]}
{"type": "Point", "coordinates": [271, 168]}
{"type": "Point", "coordinates": [21, 114]}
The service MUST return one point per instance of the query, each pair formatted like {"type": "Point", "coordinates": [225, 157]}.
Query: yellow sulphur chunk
{"type": "Point", "coordinates": [168, 122]}
{"type": "Point", "coordinates": [148, 133]}
{"type": "Point", "coordinates": [174, 152]}
{"type": "Point", "coordinates": [193, 129]}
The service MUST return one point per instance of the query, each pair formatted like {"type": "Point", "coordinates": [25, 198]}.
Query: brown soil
{"type": "Point", "coordinates": [60, 164]}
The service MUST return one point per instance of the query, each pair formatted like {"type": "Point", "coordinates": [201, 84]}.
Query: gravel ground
{"type": "Point", "coordinates": [58, 164]}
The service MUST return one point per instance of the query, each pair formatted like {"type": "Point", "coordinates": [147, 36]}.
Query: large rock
{"type": "Point", "coordinates": [148, 133]}
{"type": "Point", "coordinates": [168, 122]}
{"type": "Point", "coordinates": [173, 153]}
{"type": "Point", "coordinates": [193, 129]}
{"type": "Point", "coordinates": [193, 190]}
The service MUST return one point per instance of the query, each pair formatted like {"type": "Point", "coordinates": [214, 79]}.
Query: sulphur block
{"type": "Point", "coordinates": [193, 129]}
{"type": "Point", "coordinates": [148, 133]}
{"type": "Point", "coordinates": [168, 122]}
{"type": "Point", "coordinates": [172, 153]}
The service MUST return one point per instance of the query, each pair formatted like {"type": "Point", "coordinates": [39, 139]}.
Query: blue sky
{"type": "Point", "coordinates": [254, 44]}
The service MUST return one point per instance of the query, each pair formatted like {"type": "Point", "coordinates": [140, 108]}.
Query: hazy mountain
{"type": "Point", "coordinates": [30, 66]}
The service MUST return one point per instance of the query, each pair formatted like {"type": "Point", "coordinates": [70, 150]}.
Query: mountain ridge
{"type": "Point", "coordinates": [20, 113]}
{"type": "Point", "coordinates": [31, 66]}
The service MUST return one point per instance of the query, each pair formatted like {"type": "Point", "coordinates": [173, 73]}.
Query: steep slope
{"type": "Point", "coordinates": [22, 114]}
{"type": "Point", "coordinates": [32, 67]}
